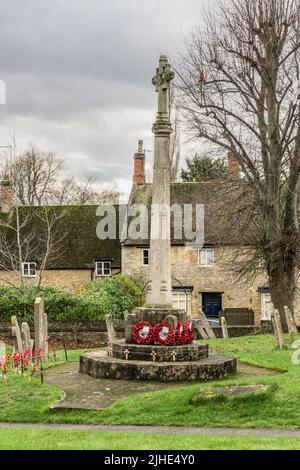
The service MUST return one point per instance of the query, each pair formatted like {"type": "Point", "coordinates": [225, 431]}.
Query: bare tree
{"type": "Point", "coordinates": [37, 179]}
{"type": "Point", "coordinates": [239, 90]}
{"type": "Point", "coordinates": [33, 174]}
{"type": "Point", "coordinates": [69, 191]}
{"type": "Point", "coordinates": [31, 235]}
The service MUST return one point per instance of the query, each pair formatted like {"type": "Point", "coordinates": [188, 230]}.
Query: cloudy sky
{"type": "Point", "coordinates": [78, 76]}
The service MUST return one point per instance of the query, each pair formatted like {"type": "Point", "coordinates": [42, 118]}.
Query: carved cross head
{"type": "Point", "coordinates": [164, 75]}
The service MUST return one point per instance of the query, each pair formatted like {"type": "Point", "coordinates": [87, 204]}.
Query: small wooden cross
{"type": "Point", "coordinates": [126, 352]}
{"type": "Point", "coordinates": [174, 354]}
{"type": "Point", "coordinates": [153, 354]}
{"type": "Point", "coordinates": [109, 350]}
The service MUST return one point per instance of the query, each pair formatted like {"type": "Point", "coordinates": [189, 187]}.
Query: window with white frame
{"type": "Point", "coordinates": [267, 307]}
{"type": "Point", "coordinates": [103, 268]}
{"type": "Point", "coordinates": [181, 300]}
{"type": "Point", "coordinates": [29, 269]}
{"type": "Point", "coordinates": [145, 256]}
{"type": "Point", "coordinates": [206, 257]}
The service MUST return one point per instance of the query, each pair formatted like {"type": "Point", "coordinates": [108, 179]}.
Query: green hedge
{"type": "Point", "coordinates": [110, 296]}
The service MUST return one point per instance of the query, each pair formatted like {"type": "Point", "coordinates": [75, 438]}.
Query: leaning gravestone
{"type": "Point", "coordinates": [16, 333]}
{"type": "Point", "coordinates": [40, 328]}
{"type": "Point", "coordinates": [206, 325]}
{"type": "Point", "coordinates": [278, 329]}
{"type": "Point", "coordinates": [224, 327]}
{"type": "Point", "coordinates": [200, 329]}
{"type": "Point", "coordinates": [290, 323]}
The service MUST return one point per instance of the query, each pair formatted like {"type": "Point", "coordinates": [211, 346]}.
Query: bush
{"type": "Point", "coordinates": [114, 295]}
{"type": "Point", "coordinates": [110, 296]}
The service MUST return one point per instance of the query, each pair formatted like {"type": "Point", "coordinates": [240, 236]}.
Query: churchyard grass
{"type": "Point", "coordinates": [63, 439]}
{"type": "Point", "coordinates": [23, 401]}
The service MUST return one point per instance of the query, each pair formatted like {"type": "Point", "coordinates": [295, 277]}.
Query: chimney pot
{"type": "Point", "coordinates": [5, 195]}
{"type": "Point", "coordinates": [233, 165]}
{"type": "Point", "coordinates": [139, 165]}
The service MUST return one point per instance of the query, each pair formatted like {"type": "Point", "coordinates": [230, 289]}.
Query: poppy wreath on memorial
{"type": "Point", "coordinates": [183, 333]}
{"type": "Point", "coordinates": [135, 333]}
{"type": "Point", "coordinates": [169, 339]}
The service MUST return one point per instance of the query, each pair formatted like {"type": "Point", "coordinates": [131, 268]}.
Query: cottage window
{"type": "Point", "coordinates": [181, 300]}
{"type": "Point", "coordinates": [267, 307]}
{"type": "Point", "coordinates": [206, 257]}
{"type": "Point", "coordinates": [29, 269]}
{"type": "Point", "coordinates": [145, 257]}
{"type": "Point", "coordinates": [103, 268]}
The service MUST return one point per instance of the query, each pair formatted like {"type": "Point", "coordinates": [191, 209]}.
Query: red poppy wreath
{"type": "Point", "coordinates": [164, 334]}
{"type": "Point", "coordinates": [142, 333]}
{"type": "Point", "coordinates": [183, 333]}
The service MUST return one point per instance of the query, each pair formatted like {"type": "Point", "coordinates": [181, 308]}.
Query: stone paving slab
{"type": "Point", "coordinates": [85, 392]}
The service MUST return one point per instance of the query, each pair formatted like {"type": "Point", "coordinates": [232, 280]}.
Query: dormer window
{"type": "Point", "coordinates": [103, 268]}
{"type": "Point", "coordinates": [29, 269]}
{"type": "Point", "coordinates": [206, 257]}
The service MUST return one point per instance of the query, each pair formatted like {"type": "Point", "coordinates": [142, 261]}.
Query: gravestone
{"type": "Point", "coordinates": [278, 329]}
{"type": "Point", "coordinates": [25, 333]}
{"type": "Point", "coordinates": [110, 329]}
{"type": "Point", "coordinates": [200, 329]}
{"type": "Point", "coordinates": [206, 325]}
{"type": "Point", "coordinates": [224, 327]}
{"type": "Point", "coordinates": [40, 328]}
{"type": "Point", "coordinates": [172, 320]}
{"type": "Point", "coordinates": [16, 333]}
{"type": "Point", "coordinates": [292, 329]}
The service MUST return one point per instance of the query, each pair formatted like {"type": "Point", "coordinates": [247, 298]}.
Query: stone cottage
{"type": "Point", "coordinates": [77, 255]}
{"type": "Point", "coordinates": [201, 278]}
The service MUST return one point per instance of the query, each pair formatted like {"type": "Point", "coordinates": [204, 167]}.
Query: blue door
{"type": "Point", "coordinates": [212, 304]}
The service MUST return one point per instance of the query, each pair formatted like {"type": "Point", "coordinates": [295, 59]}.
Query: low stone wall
{"type": "Point", "coordinates": [94, 334]}
{"type": "Point", "coordinates": [75, 334]}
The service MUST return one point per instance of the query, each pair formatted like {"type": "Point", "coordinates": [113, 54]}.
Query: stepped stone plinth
{"type": "Point", "coordinates": [142, 352]}
{"type": "Point", "coordinates": [101, 366]}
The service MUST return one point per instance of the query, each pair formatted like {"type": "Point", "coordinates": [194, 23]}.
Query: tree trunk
{"type": "Point", "coordinates": [283, 283]}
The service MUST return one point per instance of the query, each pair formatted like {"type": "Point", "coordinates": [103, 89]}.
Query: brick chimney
{"type": "Point", "coordinates": [233, 165]}
{"type": "Point", "coordinates": [5, 195]}
{"type": "Point", "coordinates": [139, 177]}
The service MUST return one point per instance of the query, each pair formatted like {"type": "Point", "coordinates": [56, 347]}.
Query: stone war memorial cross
{"type": "Point", "coordinates": [158, 343]}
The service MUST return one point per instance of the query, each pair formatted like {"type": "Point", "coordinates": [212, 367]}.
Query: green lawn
{"type": "Point", "coordinates": [62, 439]}
{"type": "Point", "coordinates": [23, 401]}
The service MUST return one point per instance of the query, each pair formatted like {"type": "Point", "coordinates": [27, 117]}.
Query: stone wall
{"type": "Point", "coordinates": [94, 334]}
{"type": "Point", "coordinates": [70, 280]}
{"type": "Point", "coordinates": [76, 334]}
{"type": "Point", "coordinates": [207, 279]}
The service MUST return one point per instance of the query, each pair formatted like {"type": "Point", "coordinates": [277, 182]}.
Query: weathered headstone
{"type": "Point", "coordinates": [172, 319]}
{"type": "Point", "coordinates": [25, 333]}
{"type": "Point", "coordinates": [16, 333]}
{"type": "Point", "coordinates": [110, 329]}
{"type": "Point", "coordinates": [130, 320]}
{"type": "Point", "coordinates": [45, 338]}
{"type": "Point", "coordinates": [290, 323]}
{"type": "Point", "coordinates": [224, 327]}
{"type": "Point", "coordinates": [40, 328]}
{"type": "Point", "coordinates": [278, 329]}
{"type": "Point", "coordinates": [200, 329]}
{"type": "Point", "coordinates": [206, 325]}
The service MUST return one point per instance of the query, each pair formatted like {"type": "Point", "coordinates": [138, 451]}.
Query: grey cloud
{"type": "Point", "coordinates": [78, 75]}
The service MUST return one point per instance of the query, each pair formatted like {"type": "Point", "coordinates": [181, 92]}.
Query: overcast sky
{"type": "Point", "coordinates": [78, 76]}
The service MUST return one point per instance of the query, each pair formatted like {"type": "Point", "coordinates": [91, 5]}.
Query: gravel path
{"type": "Point", "coordinates": [265, 432]}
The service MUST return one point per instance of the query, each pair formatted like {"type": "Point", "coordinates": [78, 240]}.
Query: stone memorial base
{"type": "Point", "coordinates": [101, 366]}
{"type": "Point", "coordinates": [126, 360]}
